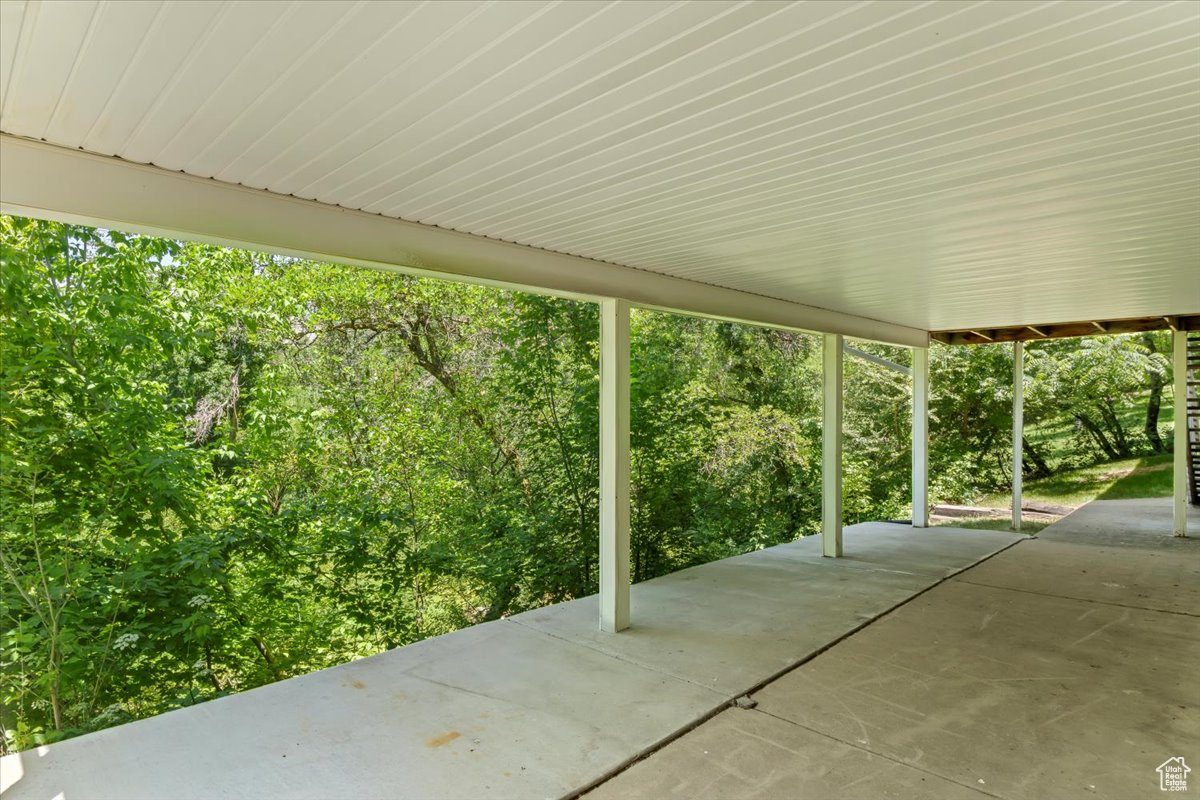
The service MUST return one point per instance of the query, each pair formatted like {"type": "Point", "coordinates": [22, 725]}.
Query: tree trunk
{"type": "Point", "coordinates": [1097, 435]}
{"type": "Point", "coordinates": [56, 679]}
{"type": "Point", "coordinates": [419, 337]}
{"type": "Point", "coordinates": [501, 602]}
{"type": "Point", "coordinates": [212, 676]}
{"type": "Point", "coordinates": [1120, 443]}
{"type": "Point", "coordinates": [1034, 459]}
{"type": "Point", "coordinates": [1155, 403]}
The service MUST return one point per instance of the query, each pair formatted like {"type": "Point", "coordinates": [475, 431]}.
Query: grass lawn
{"type": "Point", "coordinates": [1149, 476]}
{"type": "Point", "coordinates": [1028, 526]}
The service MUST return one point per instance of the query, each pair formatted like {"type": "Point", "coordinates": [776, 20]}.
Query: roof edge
{"type": "Point", "coordinates": [53, 182]}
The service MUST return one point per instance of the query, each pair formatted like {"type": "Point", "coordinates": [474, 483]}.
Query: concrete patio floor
{"type": "Point", "coordinates": [925, 664]}
{"type": "Point", "coordinates": [539, 705]}
{"type": "Point", "coordinates": [1065, 666]}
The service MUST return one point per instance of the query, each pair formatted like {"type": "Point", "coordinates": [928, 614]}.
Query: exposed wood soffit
{"type": "Point", "coordinates": [1021, 333]}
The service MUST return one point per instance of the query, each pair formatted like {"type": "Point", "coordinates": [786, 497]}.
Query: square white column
{"type": "Point", "coordinates": [1180, 368]}
{"type": "Point", "coordinates": [614, 465]}
{"type": "Point", "coordinates": [920, 437]}
{"type": "Point", "coordinates": [1018, 430]}
{"type": "Point", "coordinates": [831, 448]}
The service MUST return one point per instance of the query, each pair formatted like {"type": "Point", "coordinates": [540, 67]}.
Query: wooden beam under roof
{"type": "Point", "coordinates": [1062, 330]}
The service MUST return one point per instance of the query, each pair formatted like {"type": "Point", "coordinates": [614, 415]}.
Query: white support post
{"type": "Point", "coordinates": [1018, 429]}
{"type": "Point", "coordinates": [1179, 352]}
{"type": "Point", "coordinates": [920, 437]}
{"type": "Point", "coordinates": [831, 449]}
{"type": "Point", "coordinates": [614, 465]}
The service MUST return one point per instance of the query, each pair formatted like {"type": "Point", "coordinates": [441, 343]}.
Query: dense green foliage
{"type": "Point", "coordinates": [221, 468]}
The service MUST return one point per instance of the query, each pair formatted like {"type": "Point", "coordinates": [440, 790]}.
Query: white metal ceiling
{"type": "Point", "coordinates": [937, 165]}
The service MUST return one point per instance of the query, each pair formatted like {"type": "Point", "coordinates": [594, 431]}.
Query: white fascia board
{"type": "Point", "coordinates": [52, 182]}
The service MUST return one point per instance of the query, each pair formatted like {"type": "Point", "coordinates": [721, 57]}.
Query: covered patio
{"type": "Point", "coordinates": [906, 173]}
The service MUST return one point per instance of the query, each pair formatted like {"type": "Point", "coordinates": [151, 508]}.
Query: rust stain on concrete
{"type": "Point", "coordinates": [445, 738]}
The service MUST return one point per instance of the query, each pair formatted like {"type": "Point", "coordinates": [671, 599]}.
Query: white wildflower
{"type": "Point", "coordinates": [126, 641]}
{"type": "Point", "coordinates": [198, 601]}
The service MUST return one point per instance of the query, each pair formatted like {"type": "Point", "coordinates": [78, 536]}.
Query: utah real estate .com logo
{"type": "Point", "coordinates": [1172, 775]}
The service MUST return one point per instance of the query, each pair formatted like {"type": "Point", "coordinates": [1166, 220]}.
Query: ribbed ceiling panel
{"type": "Point", "coordinates": [938, 165]}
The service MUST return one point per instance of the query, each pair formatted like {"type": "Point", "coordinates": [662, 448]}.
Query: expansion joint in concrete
{"type": "Point", "coordinates": [731, 702]}
{"type": "Point", "coordinates": [1080, 599]}
{"type": "Point", "coordinates": [877, 754]}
